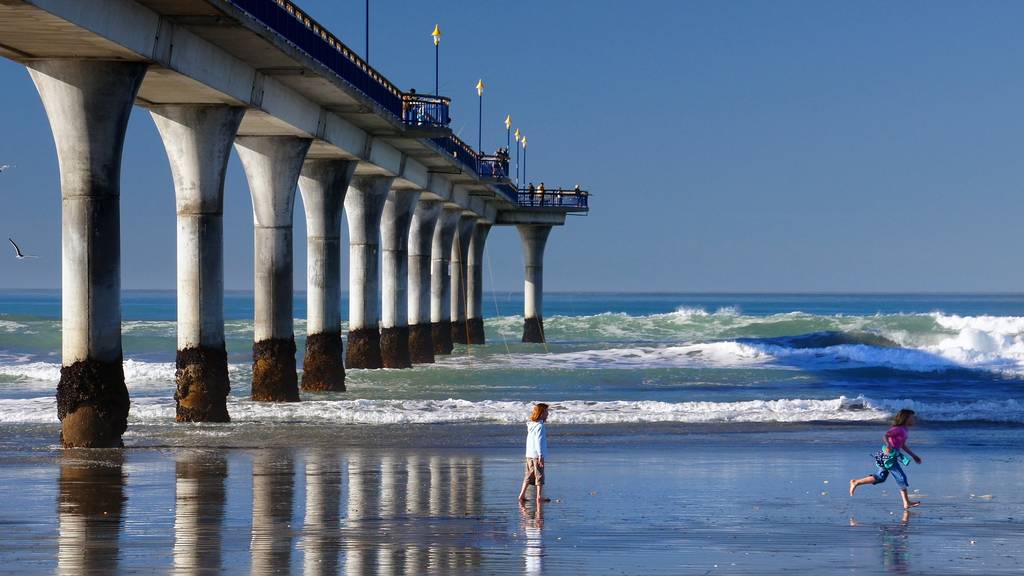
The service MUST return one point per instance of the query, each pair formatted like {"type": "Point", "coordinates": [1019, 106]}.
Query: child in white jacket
{"type": "Point", "coordinates": [536, 451]}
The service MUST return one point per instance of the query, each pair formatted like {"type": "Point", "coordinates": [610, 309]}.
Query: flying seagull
{"type": "Point", "coordinates": [17, 251]}
{"type": "Point", "coordinates": [6, 167]}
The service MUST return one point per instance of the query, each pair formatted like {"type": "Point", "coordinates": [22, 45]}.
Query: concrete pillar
{"type": "Point", "coordinates": [421, 238]}
{"type": "Point", "coordinates": [197, 139]}
{"type": "Point", "coordinates": [440, 281]}
{"type": "Point", "coordinates": [460, 254]}
{"type": "Point", "coordinates": [323, 184]}
{"type": "Point", "coordinates": [394, 228]}
{"type": "Point", "coordinates": [364, 205]}
{"type": "Point", "coordinates": [475, 284]}
{"type": "Point", "coordinates": [272, 165]}
{"type": "Point", "coordinates": [534, 239]}
{"type": "Point", "coordinates": [88, 103]}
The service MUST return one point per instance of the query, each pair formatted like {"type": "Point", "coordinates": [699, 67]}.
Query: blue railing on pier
{"type": "Point", "coordinates": [421, 110]}
{"type": "Point", "coordinates": [459, 150]}
{"type": "Point", "coordinates": [553, 198]}
{"type": "Point", "coordinates": [309, 36]}
{"type": "Point", "coordinates": [494, 167]}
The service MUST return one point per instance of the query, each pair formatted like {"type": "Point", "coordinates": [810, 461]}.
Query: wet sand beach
{"type": "Point", "coordinates": [627, 500]}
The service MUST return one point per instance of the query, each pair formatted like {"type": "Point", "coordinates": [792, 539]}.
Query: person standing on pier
{"type": "Point", "coordinates": [536, 452]}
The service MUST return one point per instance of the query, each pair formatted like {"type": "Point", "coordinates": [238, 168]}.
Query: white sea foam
{"type": "Point", "coordinates": [12, 327]}
{"type": "Point", "coordinates": [136, 372]}
{"type": "Point", "coordinates": [156, 411]}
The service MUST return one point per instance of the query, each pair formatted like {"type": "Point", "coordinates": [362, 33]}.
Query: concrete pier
{"type": "Point", "coordinates": [421, 238]}
{"type": "Point", "coordinates": [394, 332]}
{"type": "Point", "coordinates": [440, 281]}
{"type": "Point", "coordinates": [534, 238]}
{"type": "Point", "coordinates": [364, 205]}
{"type": "Point", "coordinates": [475, 284]}
{"type": "Point", "coordinates": [460, 254]}
{"type": "Point", "coordinates": [272, 165]}
{"type": "Point", "coordinates": [88, 103]}
{"type": "Point", "coordinates": [323, 184]}
{"type": "Point", "coordinates": [197, 139]}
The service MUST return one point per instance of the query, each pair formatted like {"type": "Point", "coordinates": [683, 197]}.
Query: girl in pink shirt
{"type": "Point", "coordinates": [890, 457]}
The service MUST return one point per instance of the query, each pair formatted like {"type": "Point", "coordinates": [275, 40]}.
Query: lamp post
{"type": "Point", "coordinates": [366, 53]}
{"type": "Point", "coordinates": [480, 117]}
{"type": "Point", "coordinates": [508, 132]}
{"type": "Point", "coordinates": [508, 139]}
{"type": "Point", "coordinates": [437, 49]}
{"type": "Point", "coordinates": [524, 158]}
{"type": "Point", "coordinates": [517, 157]}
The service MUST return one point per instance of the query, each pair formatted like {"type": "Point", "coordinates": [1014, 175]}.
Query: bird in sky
{"type": "Point", "coordinates": [17, 251]}
{"type": "Point", "coordinates": [5, 167]}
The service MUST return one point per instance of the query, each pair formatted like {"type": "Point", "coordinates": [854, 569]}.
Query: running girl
{"type": "Point", "coordinates": [891, 458]}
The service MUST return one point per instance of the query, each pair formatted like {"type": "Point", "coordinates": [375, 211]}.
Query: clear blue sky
{"type": "Point", "coordinates": [741, 145]}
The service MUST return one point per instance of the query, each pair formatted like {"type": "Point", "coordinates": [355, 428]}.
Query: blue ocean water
{"type": "Point", "coordinates": [610, 359]}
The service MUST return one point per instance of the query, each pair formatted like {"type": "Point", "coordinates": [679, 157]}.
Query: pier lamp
{"type": "Point", "coordinates": [480, 116]}
{"type": "Point", "coordinates": [508, 131]}
{"type": "Point", "coordinates": [437, 49]}
{"type": "Point", "coordinates": [516, 134]}
{"type": "Point", "coordinates": [524, 157]}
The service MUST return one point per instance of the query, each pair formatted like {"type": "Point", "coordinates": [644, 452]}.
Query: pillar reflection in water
{"type": "Point", "coordinates": [273, 490]}
{"type": "Point", "coordinates": [390, 508]}
{"type": "Point", "coordinates": [199, 511]}
{"type": "Point", "coordinates": [394, 504]}
{"type": "Point", "coordinates": [321, 539]}
{"type": "Point", "coordinates": [360, 509]}
{"type": "Point", "coordinates": [90, 504]}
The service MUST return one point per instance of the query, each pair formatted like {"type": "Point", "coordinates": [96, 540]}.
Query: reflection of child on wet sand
{"type": "Point", "coordinates": [536, 451]}
{"type": "Point", "coordinates": [890, 458]}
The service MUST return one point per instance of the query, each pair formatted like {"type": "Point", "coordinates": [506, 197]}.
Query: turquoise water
{"type": "Point", "coordinates": [610, 359]}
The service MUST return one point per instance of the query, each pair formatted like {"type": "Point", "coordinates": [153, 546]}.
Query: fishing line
{"type": "Point", "coordinates": [494, 296]}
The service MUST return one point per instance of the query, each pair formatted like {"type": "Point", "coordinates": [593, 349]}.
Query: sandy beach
{"type": "Point", "coordinates": [675, 500]}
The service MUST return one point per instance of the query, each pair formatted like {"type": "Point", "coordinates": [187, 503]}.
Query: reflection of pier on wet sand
{"type": "Point", "coordinates": [89, 511]}
{"type": "Point", "coordinates": [313, 512]}
{"type": "Point", "coordinates": [358, 511]}
{"type": "Point", "coordinates": [452, 511]}
{"type": "Point", "coordinates": [408, 514]}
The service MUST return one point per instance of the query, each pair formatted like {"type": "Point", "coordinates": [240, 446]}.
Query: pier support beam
{"type": "Point", "coordinates": [394, 332]}
{"type": "Point", "coordinates": [475, 284]}
{"type": "Point", "coordinates": [198, 141]}
{"type": "Point", "coordinates": [534, 238]}
{"type": "Point", "coordinates": [460, 254]}
{"type": "Point", "coordinates": [323, 184]}
{"type": "Point", "coordinates": [88, 103]}
{"type": "Point", "coordinates": [421, 238]}
{"type": "Point", "coordinates": [364, 205]}
{"type": "Point", "coordinates": [272, 165]}
{"type": "Point", "coordinates": [440, 281]}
